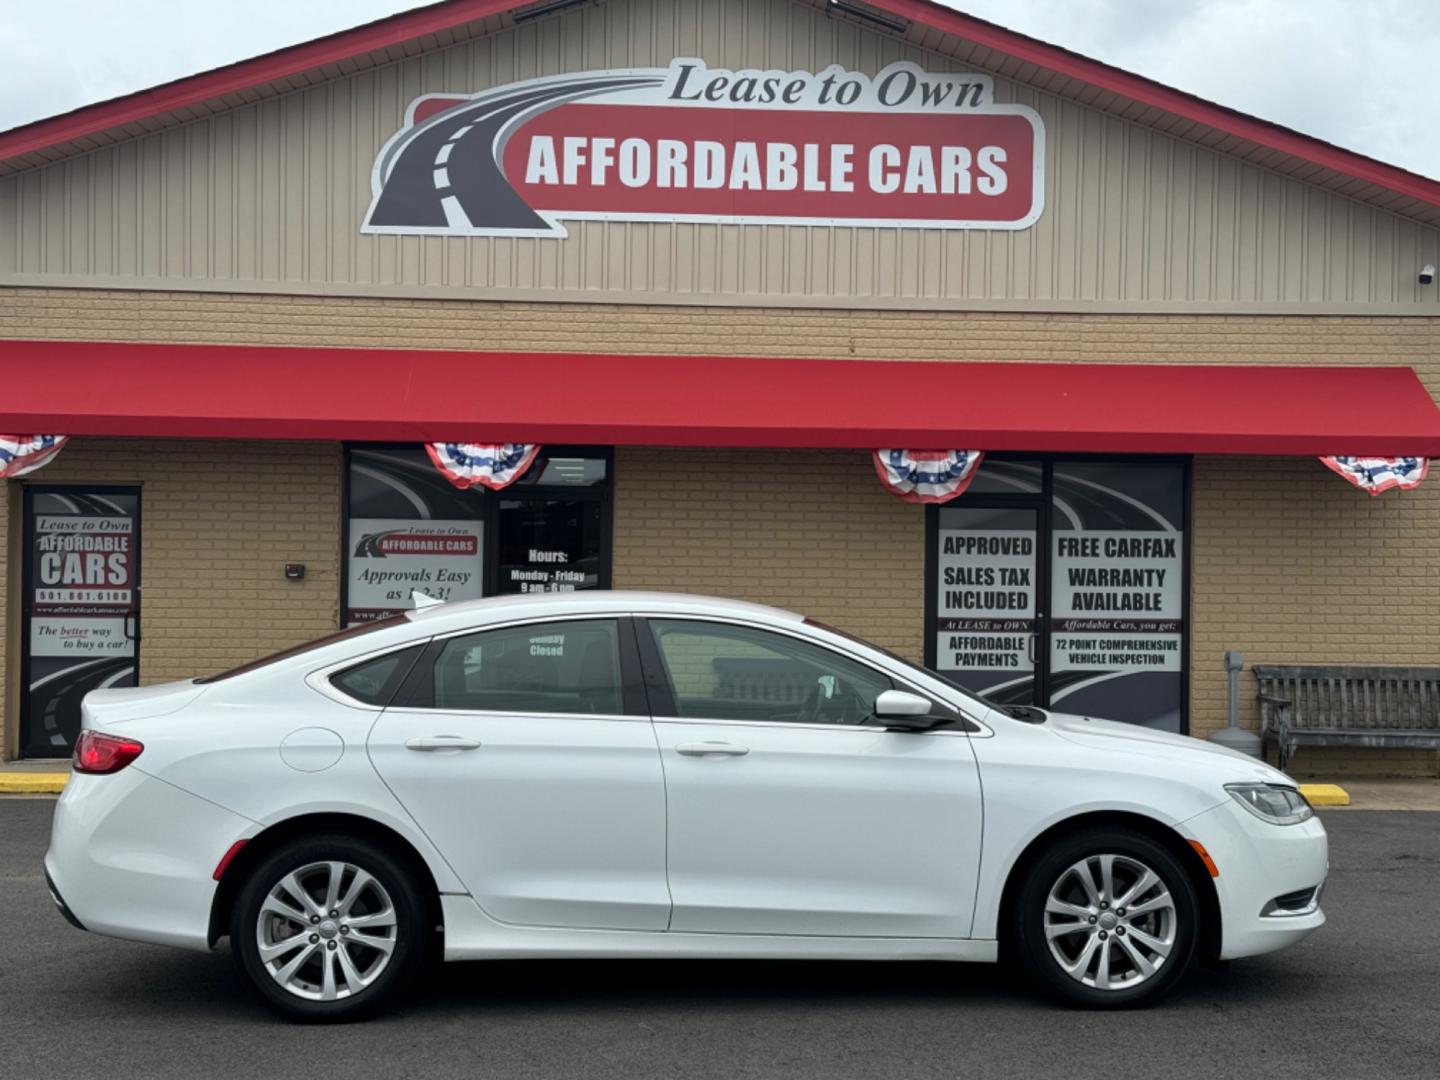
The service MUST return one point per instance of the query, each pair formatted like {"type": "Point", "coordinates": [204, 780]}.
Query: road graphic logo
{"type": "Point", "coordinates": [904, 148]}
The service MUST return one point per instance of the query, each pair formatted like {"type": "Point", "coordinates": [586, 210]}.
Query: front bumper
{"type": "Point", "coordinates": [133, 857]}
{"type": "Point", "coordinates": [1258, 863]}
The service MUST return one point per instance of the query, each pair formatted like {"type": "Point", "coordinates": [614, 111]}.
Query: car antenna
{"type": "Point", "coordinates": [424, 600]}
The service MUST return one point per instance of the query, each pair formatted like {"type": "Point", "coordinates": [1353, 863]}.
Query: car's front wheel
{"type": "Point", "coordinates": [1106, 918]}
{"type": "Point", "coordinates": [329, 927]}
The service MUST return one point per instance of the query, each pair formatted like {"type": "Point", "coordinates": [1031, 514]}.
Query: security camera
{"type": "Point", "coordinates": [1427, 274]}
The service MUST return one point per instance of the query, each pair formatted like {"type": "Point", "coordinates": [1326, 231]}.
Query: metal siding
{"type": "Point", "coordinates": [270, 194]}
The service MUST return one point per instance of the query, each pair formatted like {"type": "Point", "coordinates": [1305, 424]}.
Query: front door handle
{"type": "Point", "coordinates": [711, 749]}
{"type": "Point", "coordinates": [442, 744]}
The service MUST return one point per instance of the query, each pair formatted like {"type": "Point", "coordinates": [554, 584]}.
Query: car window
{"type": "Point", "coordinates": [374, 682]}
{"type": "Point", "coordinates": [553, 667]}
{"type": "Point", "coordinates": [722, 672]}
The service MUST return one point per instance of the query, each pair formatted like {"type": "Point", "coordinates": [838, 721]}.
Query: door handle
{"type": "Point", "coordinates": [711, 749]}
{"type": "Point", "coordinates": [442, 744]}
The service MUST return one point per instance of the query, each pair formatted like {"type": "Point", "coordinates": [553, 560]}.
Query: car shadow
{"type": "Point", "coordinates": [513, 988]}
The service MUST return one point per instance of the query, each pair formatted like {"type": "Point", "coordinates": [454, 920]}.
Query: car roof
{"type": "Point", "coordinates": [443, 617]}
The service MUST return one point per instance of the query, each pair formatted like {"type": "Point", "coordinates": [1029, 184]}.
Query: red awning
{"type": "Point", "coordinates": [246, 392]}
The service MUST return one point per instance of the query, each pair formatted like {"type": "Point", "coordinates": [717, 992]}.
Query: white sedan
{"type": "Point", "coordinates": [648, 775]}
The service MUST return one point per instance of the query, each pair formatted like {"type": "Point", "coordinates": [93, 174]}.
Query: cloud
{"type": "Point", "coordinates": [1359, 74]}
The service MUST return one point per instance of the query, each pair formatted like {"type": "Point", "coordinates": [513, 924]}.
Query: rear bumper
{"type": "Point", "coordinates": [60, 903]}
{"type": "Point", "coordinates": [133, 857]}
{"type": "Point", "coordinates": [1260, 863]}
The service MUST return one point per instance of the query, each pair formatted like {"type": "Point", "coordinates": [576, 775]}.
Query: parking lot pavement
{"type": "Point", "coordinates": [1359, 999]}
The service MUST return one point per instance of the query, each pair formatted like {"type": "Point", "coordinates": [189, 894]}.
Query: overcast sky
{"type": "Point", "coordinates": [1361, 73]}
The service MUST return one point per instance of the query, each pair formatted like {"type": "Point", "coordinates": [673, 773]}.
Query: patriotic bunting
{"type": "Point", "coordinates": [491, 465]}
{"type": "Point", "coordinates": [927, 476]}
{"type": "Point", "coordinates": [21, 454]}
{"type": "Point", "coordinates": [1377, 474]}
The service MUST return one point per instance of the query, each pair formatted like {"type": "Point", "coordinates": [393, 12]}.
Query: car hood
{"type": "Point", "coordinates": [1132, 738]}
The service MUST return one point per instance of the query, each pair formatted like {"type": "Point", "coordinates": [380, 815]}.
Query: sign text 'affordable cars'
{"type": "Point", "coordinates": [903, 148]}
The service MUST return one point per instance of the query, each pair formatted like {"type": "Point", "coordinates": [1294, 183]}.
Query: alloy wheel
{"type": "Point", "coordinates": [1110, 922]}
{"type": "Point", "coordinates": [326, 931]}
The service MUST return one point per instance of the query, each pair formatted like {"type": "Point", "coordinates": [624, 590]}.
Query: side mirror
{"type": "Point", "coordinates": [900, 710]}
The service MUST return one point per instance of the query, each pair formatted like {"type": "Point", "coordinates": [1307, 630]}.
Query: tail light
{"type": "Point", "coordinates": [96, 752]}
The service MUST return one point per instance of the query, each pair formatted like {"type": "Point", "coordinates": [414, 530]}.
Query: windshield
{"type": "Point", "coordinates": [976, 698]}
{"type": "Point", "coordinates": [304, 647]}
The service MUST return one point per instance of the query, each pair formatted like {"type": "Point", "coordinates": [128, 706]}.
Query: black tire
{"type": "Point", "coordinates": [408, 937]}
{"type": "Point", "coordinates": [1052, 869]}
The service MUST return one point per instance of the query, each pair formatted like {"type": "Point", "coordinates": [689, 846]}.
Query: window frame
{"type": "Point", "coordinates": [1044, 501]}
{"type": "Point", "coordinates": [488, 514]}
{"type": "Point", "coordinates": [661, 696]}
{"type": "Point", "coordinates": [417, 692]}
{"type": "Point", "coordinates": [393, 683]}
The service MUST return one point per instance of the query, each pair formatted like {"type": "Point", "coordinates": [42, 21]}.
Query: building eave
{"type": "Point", "coordinates": [929, 25]}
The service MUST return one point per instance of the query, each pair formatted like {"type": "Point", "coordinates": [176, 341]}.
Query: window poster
{"type": "Point", "coordinates": [408, 528]}
{"type": "Point", "coordinates": [84, 582]}
{"type": "Point", "coordinates": [392, 558]}
{"type": "Point", "coordinates": [549, 545]}
{"type": "Point", "coordinates": [1117, 582]}
{"type": "Point", "coordinates": [985, 601]}
{"type": "Point", "coordinates": [83, 607]}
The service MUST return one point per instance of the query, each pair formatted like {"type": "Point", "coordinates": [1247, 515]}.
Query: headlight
{"type": "Point", "coordinates": [1275, 804]}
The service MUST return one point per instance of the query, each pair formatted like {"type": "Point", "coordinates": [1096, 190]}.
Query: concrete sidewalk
{"type": "Point", "coordinates": [1391, 795]}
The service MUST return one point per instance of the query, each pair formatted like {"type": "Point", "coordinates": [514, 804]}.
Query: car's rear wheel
{"type": "Point", "coordinates": [1106, 918]}
{"type": "Point", "coordinates": [329, 927]}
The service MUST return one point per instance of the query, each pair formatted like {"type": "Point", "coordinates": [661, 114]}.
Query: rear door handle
{"type": "Point", "coordinates": [442, 743]}
{"type": "Point", "coordinates": [711, 749]}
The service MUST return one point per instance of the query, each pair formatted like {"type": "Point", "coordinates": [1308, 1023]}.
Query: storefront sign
{"type": "Point", "coordinates": [905, 148]}
{"type": "Point", "coordinates": [392, 557]}
{"type": "Point", "coordinates": [84, 579]}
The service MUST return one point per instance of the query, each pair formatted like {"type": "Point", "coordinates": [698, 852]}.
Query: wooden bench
{"type": "Point", "coordinates": [1340, 705]}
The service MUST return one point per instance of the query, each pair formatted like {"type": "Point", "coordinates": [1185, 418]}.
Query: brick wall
{"type": "Point", "coordinates": [1291, 563]}
{"type": "Point", "coordinates": [820, 536]}
{"type": "Point", "coordinates": [219, 520]}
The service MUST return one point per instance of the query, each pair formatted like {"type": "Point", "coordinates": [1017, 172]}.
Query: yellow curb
{"type": "Point", "coordinates": [33, 783]}
{"type": "Point", "coordinates": [1325, 794]}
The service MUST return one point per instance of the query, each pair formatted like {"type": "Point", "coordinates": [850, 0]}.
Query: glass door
{"type": "Point", "coordinates": [985, 600]}
{"type": "Point", "coordinates": [81, 607]}
{"type": "Point", "coordinates": [1063, 583]}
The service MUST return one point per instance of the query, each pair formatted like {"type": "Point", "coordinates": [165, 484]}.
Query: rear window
{"type": "Point", "coordinates": [309, 646]}
{"type": "Point", "coordinates": [374, 682]}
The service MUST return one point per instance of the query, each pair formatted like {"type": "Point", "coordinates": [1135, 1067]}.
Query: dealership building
{"type": "Point", "coordinates": [733, 286]}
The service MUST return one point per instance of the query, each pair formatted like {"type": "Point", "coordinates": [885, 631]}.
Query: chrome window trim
{"type": "Point", "coordinates": [505, 624]}
{"type": "Point", "coordinates": [515, 714]}
{"type": "Point", "coordinates": [319, 679]}
{"type": "Point", "coordinates": [793, 725]}
{"type": "Point", "coordinates": [821, 643]}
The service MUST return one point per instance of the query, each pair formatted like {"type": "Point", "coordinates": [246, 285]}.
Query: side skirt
{"type": "Point", "coordinates": [472, 935]}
